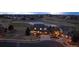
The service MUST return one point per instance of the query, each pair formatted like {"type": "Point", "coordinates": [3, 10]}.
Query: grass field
{"type": "Point", "coordinates": [71, 23]}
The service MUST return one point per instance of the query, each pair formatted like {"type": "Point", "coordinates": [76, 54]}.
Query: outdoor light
{"type": "Point", "coordinates": [45, 28]}
{"type": "Point", "coordinates": [34, 28]}
{"type": "Point", "coordinates": [38, 31]}
{"type": "Point", "coordinates": [34, 34]}
{"type": "Point", "coordinates": [66, 36]}
{"type": "Point", "coordinates": [45, 32]}
{"type": "Point", "coordinates": [62, 35]}
{"type": "Point", "coordinates": [40, 28]}
{"type": "Point", "coordinates": [56, 32]}
{"type": "Point", "coordinates": [32, 31]}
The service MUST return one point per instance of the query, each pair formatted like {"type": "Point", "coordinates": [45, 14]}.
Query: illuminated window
{"type": "Point", "coordinates": [40, 28]}
{"type": "Point", "coordinates": [34, 28]}
{"type": "Point", "coordinates": [45, 28]}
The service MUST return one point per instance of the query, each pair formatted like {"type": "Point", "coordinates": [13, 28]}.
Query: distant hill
{"type": "Point", "coordinates": [37, 16]}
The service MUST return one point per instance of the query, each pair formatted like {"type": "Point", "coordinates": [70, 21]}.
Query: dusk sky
{"type": "Point", "coordinates": [53, 13]}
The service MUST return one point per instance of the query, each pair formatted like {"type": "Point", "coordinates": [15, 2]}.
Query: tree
{"type": "Point", "coordinates": [5, 30]}
{"type": "Point", "coordinates": [27, 32]}
{"type": "Point", "coordinates": [11, 28]}
{"type": "Point", "coordinates": [75, 36]}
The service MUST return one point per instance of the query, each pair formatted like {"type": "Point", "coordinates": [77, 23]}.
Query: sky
{"type": "Point", "coordinates": [52, 13]}
{"type": "Point", "coordinates": [64, 7]}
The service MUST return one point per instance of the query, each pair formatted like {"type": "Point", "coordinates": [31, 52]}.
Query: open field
{"type": "Point", "coordinates": [71, 23]}
{"type": "Point", "coordinates": [21, 25]}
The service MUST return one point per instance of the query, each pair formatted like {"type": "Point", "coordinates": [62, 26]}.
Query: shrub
{"type": "Point", "coordinates": [11, 27]}
{"type": "Point", "coordinates": [27, 32]}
